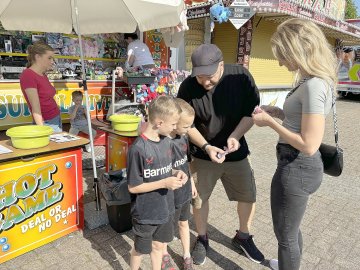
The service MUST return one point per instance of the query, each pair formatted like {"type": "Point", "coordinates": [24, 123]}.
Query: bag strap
{"type": "Point", "coordinates": [297, 86]}
{"type": "Point", "coordinates": [336, 131]}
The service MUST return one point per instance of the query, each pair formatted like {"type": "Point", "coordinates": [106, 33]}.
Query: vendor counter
{"type": "Point", "coordinates": [41, 195]}
{"type": "Point", "coordinates": [117, 144]}
{"type": "Point", "coordinates": [14, 110]}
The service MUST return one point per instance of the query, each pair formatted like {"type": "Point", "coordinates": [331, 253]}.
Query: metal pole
{"type": "Point", "coordinates": [113, 92]}
{"type": "Point", "coordinates": [84, 84]}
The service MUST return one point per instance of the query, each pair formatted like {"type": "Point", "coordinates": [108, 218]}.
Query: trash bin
{"type": "Point", "coordinates": [113, 186]}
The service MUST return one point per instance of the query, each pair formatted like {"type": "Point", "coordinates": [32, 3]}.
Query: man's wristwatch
{"type": "Point", "coordinates": [204, 147]}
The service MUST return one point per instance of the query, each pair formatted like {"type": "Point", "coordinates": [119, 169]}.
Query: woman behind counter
{"type": "Point", "coordinates": [37, 89]}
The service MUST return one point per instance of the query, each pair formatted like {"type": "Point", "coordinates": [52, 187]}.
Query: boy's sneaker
{"type": "Point", "coordinates": [166, 263]}
{"type": "Point", "coordinates": [88, 148]}
{"type": "Point", "coordinates": [248, 247]}
{"type": "Point", "coordinates": [274, 264]}
{"type": "Point", "coordinates": [188, 264]}
{"type": "Point", "coordinates": [200, 250]}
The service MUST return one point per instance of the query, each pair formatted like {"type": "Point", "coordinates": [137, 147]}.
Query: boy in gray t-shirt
{"type": "Point", "coordinates": [151, 181]}
{"type": "Point", "coordinates": [78, 120]}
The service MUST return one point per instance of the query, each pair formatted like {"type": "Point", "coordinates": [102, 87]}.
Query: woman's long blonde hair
{"type": "Point", "coordinates": [301, 43]}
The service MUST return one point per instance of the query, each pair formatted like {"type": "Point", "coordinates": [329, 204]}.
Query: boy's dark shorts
{"type": "Point", "coordinates": [182, 213]}
{"type": "Point", "coordinates": [146, 233]}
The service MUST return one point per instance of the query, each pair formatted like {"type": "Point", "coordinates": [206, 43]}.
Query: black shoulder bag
{"type": "Point", "coordinates": [332, 156]}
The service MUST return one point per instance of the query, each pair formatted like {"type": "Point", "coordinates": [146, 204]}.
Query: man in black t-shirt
{"type": "Point", "coordinates": [223, 97]}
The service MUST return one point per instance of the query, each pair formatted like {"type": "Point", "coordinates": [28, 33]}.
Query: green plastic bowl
{"type": "Point", "coordinates": [124, 122]}
{"type": "Point", "coordinates": [29, 137]}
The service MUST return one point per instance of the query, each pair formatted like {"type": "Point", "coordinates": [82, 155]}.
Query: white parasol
{"type": "Point", "coordinates": [89, 17]}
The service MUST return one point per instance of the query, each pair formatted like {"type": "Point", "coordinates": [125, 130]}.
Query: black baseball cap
{"type": "Point", "coordinates": [205, 60]}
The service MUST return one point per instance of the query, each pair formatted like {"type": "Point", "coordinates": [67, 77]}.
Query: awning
{"type": "Point", "coordinates": [348, 38]}
{"type": "Point", "coordinates": [279, 11]}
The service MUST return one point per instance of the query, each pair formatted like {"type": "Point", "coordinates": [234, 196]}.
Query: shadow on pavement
{"type": "Point", "coordinates": [110, 245]}
{"type": "Point", "coordinates": [216, 256]}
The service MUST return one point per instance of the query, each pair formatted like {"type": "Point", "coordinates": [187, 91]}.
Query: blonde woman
{"type": "Point", "coordinates": [37, 89]}
{"type": "Point", "coordinates": [301, 47]}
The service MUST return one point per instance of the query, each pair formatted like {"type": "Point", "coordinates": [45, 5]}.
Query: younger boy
{"type": "Point", "coordinates": [151, 180]}
{"type": "Point", "coordinates": [78, 118]}
{"type": "Point", "coordinates": [183, 195]}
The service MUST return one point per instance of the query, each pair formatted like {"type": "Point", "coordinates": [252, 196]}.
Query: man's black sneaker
{"type": "Point", "coordinates": [200, 250]}
{"type": "Point", "coordinates": [249, 248]}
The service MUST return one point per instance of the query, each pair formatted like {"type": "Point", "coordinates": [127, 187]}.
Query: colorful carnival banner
{"type": "Point", "coordinates": [15, 111]}
{"type": "Point", "coordinates": [40, 201]}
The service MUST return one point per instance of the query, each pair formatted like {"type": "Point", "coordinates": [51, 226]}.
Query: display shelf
{"type": "Point", "coordinates": [68, 57]}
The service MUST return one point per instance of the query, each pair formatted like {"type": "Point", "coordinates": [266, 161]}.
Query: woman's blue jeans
{"type": "Point", "coordinates": [296, 177]}
{"type": "Point", "coordinates": [55, 123]}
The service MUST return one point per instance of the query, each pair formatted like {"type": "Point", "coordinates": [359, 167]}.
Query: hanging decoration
{"type": "Point", "coordinates": [218, 13]}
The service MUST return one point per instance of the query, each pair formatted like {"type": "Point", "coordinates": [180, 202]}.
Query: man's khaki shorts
{"type": "Point", "coordinates": [237, 178]}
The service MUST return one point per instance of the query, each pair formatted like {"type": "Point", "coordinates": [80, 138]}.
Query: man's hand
{"type": "Point", "coordinates": [232, 144]}
{"type": "Point", "coordinates": [194, 192]}
{"type": "Point", "coordinates": [213, 151]}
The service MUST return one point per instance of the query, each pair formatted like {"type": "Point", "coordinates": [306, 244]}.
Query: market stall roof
{"type": "Point", "coordinates": [349, 33]}
{"type": "Point", "coordinates": [281, 10]}
{"type": "Point", "coordinates": [349, 38]}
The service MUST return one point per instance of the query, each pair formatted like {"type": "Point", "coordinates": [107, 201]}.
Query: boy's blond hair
{"type": "Point", "coordinates": [186, 108]}
{"type": "Point", "coordinates": [76, 94]}
{"type": "Point", "coordinates": [163, 107]}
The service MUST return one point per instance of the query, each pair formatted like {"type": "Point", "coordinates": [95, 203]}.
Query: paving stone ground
{"type": "Point", "coordinates": [330, 227]}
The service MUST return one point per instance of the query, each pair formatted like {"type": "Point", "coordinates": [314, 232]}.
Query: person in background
{"type": "Point", "coordinates": [301, 47]}
{"type": "Point", "coordinates": [151, 181]}
{"type": "Point", "coordinates": [223, 97]}
{"type": "Point", "coordinates": [345, 63]}
{"type": "Point", "coordinates": [183, 195]}
{"type": "Point", "coordinates": [138, 53]}
{"type": "Point", "coordinates": [78, 118]}
{"type": "Point", "coordinates": [37, 89]}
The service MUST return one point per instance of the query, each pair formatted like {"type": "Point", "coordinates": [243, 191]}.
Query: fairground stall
{"type": "Point", "coordinates": [102, 54]}
{"type": "Point", "coordinates": [43, 184]}
{"type": "Point", "coordinates": [41, 194]}
{"type": "Point", "coordinates": [249, 45]}
{"type": "Point", "coordinates": [47, 202]}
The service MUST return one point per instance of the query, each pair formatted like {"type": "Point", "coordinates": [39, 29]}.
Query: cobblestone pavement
{"type": "Point", "coordinates": [330, 227]}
